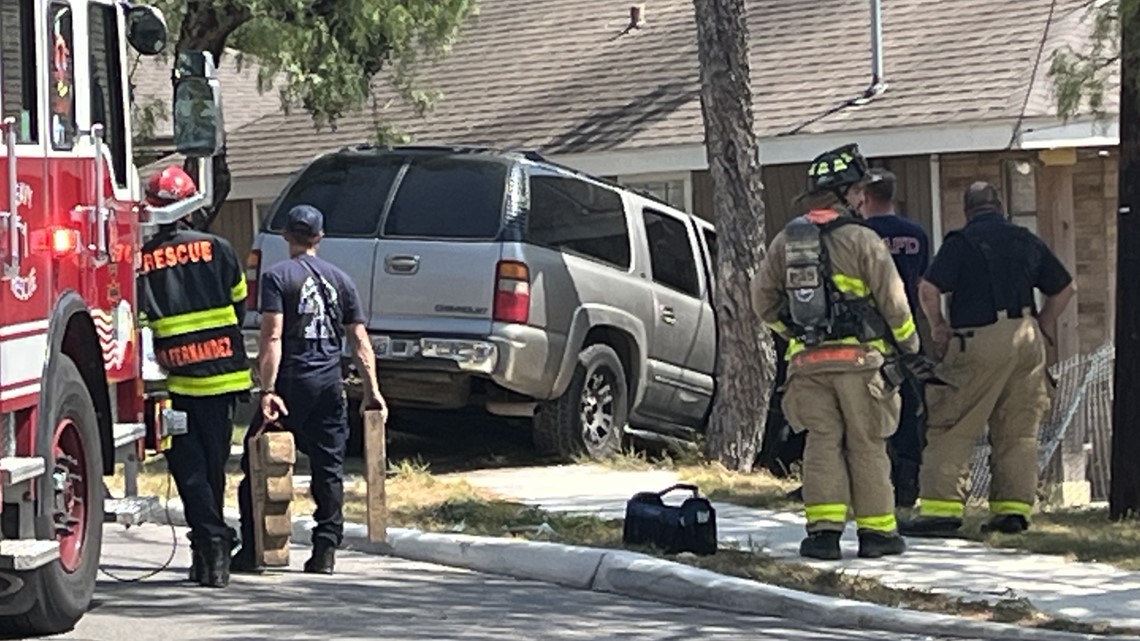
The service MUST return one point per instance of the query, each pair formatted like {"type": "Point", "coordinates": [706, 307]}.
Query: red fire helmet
{"type": "Point", "coordinates": [169, 186]}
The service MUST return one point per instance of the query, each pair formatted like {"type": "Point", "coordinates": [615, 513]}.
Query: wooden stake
{"type": "Point", "coordinates": [376, 464]}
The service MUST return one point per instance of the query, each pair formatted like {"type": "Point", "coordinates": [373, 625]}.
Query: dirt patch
{"type": "Point", "coordinates": [417, 499]}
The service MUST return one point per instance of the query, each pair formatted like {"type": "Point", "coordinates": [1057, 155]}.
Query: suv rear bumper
{"type": "Point", "coordinates": [520, 358]}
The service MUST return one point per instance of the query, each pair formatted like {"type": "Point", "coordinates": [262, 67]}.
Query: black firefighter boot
{"type": "Point", "coordinates": [1006, 524]}
{"type": "Point", "coordinates": [823, 545]}
{"type": "Point", "coordinates": [875, 545]}
{"type": "Point", "coordinates": [198, 560]}
{"type": "Point", "coordinates": [324, 558]}
{"type": "Point", "coordinates": [217, 573]}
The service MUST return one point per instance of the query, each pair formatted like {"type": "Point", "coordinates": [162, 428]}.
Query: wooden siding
{"type": "Point", "coordinates": [782, 183]}
{"type": "Point", "coordinates": [235, 224]}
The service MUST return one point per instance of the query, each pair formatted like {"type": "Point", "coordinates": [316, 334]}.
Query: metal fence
{"type": "Point", "coordinates": [1082, 404]}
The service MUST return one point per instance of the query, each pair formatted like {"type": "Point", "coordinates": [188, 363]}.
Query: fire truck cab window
{"type": "Point", "coordinates": [61, 76]}
{"type": "Point", "coordinates": [107, 84]}
{"type": "Point", "coordinates": [18, 71]}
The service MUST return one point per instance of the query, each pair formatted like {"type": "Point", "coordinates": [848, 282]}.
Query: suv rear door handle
{"type": "Point", "coordinates": [668, 315]}
{"type": "Point", "coordinates": [402, 264]}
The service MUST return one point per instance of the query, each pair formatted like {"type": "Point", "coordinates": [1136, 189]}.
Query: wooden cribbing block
{"type": "Point", "coordinates": [376, 461]}
{"type": "Point", "coordinates": [272, 455]}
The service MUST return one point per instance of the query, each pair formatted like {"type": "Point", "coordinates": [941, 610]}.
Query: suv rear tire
{"type": "Point", "coordinates": [590, 416]}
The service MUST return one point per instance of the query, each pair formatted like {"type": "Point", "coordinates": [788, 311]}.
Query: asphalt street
{"type": "Point", "coordinates": [375, 597]}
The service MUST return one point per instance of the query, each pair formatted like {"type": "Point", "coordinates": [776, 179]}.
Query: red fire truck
{"type": "Point", "coordinates": [73, 400]}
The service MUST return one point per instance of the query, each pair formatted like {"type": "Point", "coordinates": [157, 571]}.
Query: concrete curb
{"type": "Point", "coordinates": [645, 577]}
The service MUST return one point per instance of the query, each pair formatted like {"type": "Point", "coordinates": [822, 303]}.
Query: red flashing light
{"type": "Point", "coordinates": [64, 241]}
{"type": "Point", "coordinates": [60, 241]}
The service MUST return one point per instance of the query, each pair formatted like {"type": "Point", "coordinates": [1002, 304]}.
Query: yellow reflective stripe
{"type": "Point", "coordinates": [835, 512]}
{"type": "Point", "coordinates": [943, 509]}
{"type": "Point", "coordinates": [210, 385]}
{"type": "Point", "coordinates": [884, 523]}
{"type": "Point", "coordinates": [906, 330]}
{"type": "Point", "coordinates": [851, 285]}
{"type": "Point", "coordinates": [239, 291]}
{"type": "Point", "coordinates": [1011, 507]}
{"type": "Point", "coordinates": [778, 327]}
{"type": "Point", "coordinates": [194, 322]}
{"type": "Point", "coordinates": [795, 346]}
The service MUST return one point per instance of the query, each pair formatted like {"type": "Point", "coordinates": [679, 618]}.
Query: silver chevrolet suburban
{"type": "Point", "coordinates": [501, 280]}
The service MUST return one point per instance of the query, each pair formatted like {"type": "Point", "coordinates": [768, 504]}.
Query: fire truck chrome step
{"type": "Point", "coordinates": [131, 510]}
{"type": "Point", "coordinates": [22, 555]}
{"type": "Point", "coordinates": [128, 433]}
{"type": "Point", "coordinates": [17, 469]}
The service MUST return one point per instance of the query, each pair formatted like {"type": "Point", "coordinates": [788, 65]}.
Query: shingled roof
{"type": "Point", "coordinates": [562, 78]}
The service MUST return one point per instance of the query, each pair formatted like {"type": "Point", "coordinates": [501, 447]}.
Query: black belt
{"type": "Point", "coordinates": [962, 336]}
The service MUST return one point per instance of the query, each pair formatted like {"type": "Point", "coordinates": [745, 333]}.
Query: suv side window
{"type": "Point", "coordinates": [710, 240]}
{"type": "Point", "coordinates": [579, 217]}
{"type": "Point", "coordinates": [671, 253]}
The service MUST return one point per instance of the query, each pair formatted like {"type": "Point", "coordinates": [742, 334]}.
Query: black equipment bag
{"type": "Point", "coordinates": [689, 527]}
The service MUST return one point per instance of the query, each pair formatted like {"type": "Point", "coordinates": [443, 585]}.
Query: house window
{"type": "Point", "coordinates": [1021, 188]}
{"type": "Point", "coordinates": [671, 192]}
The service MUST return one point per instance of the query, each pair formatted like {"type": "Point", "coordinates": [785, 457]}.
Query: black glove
{"type": "Point", "coordinates": [921, 368]}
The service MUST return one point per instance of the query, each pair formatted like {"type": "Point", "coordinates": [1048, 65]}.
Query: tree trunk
{"type": "Point", "coordinates": [1124, 492]}
{"type": "Point", "coordinates": [746, 358]}
{"type": "Point", "coordinates": [205, 27]}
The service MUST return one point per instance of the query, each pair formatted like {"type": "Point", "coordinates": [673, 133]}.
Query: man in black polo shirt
{"type": "Point", "coordinates": [993, 354]}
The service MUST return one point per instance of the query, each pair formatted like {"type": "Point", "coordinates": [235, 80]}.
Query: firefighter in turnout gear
{"type": "Point", "coordinates": [192, 292]}
{"type": "Point", "coordinates": [828, 284]}
{"type": "Point", "coordinates": [993, 349]}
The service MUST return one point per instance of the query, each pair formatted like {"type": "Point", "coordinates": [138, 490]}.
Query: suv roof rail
{"type": "Point", "coordinates": [529, 154]}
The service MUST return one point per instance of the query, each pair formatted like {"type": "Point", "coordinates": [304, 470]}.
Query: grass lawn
{"type": "Point", "coordinates": [1080, 535]}
{"type": "Point", "coordinates": [417, 499]}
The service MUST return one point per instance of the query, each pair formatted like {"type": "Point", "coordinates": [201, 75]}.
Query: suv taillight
{"type": "Point", "coordinates": [512, 293]}
{"type": "Point", "coordinates": [252, 273]}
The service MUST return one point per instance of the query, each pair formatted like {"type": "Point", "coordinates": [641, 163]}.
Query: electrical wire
{"type": "Point", "coordinates": [1033, 75]}
{"type": "Point", "coordinates": [173, 547]}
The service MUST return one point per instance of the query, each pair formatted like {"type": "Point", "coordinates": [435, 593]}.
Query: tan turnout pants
{"type": "Point", "coordinates": [848, 417]}
{"type": "Point", "coordinates": [1000, 379]}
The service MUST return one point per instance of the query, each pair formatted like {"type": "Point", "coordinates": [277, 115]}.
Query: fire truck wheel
{"type": "Point", "coordinates": [73, 514]}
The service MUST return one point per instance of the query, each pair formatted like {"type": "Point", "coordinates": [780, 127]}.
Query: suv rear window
{"type": "Point", "coordinates": [350, 193]}
{"type": "Point", "coordinates": [438, 197]}
{"type": "Point", "coordinates": [445, 197]}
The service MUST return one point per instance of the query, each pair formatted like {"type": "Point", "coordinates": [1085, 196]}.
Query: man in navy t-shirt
{"type": "Point", "coordinates": [910, 248]}
{"type": "Point", "coordinates": [308, 308]}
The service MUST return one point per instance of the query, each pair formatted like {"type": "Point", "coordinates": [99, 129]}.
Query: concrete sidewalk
{"type": "Point", "coordinates": [1082, 591]}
